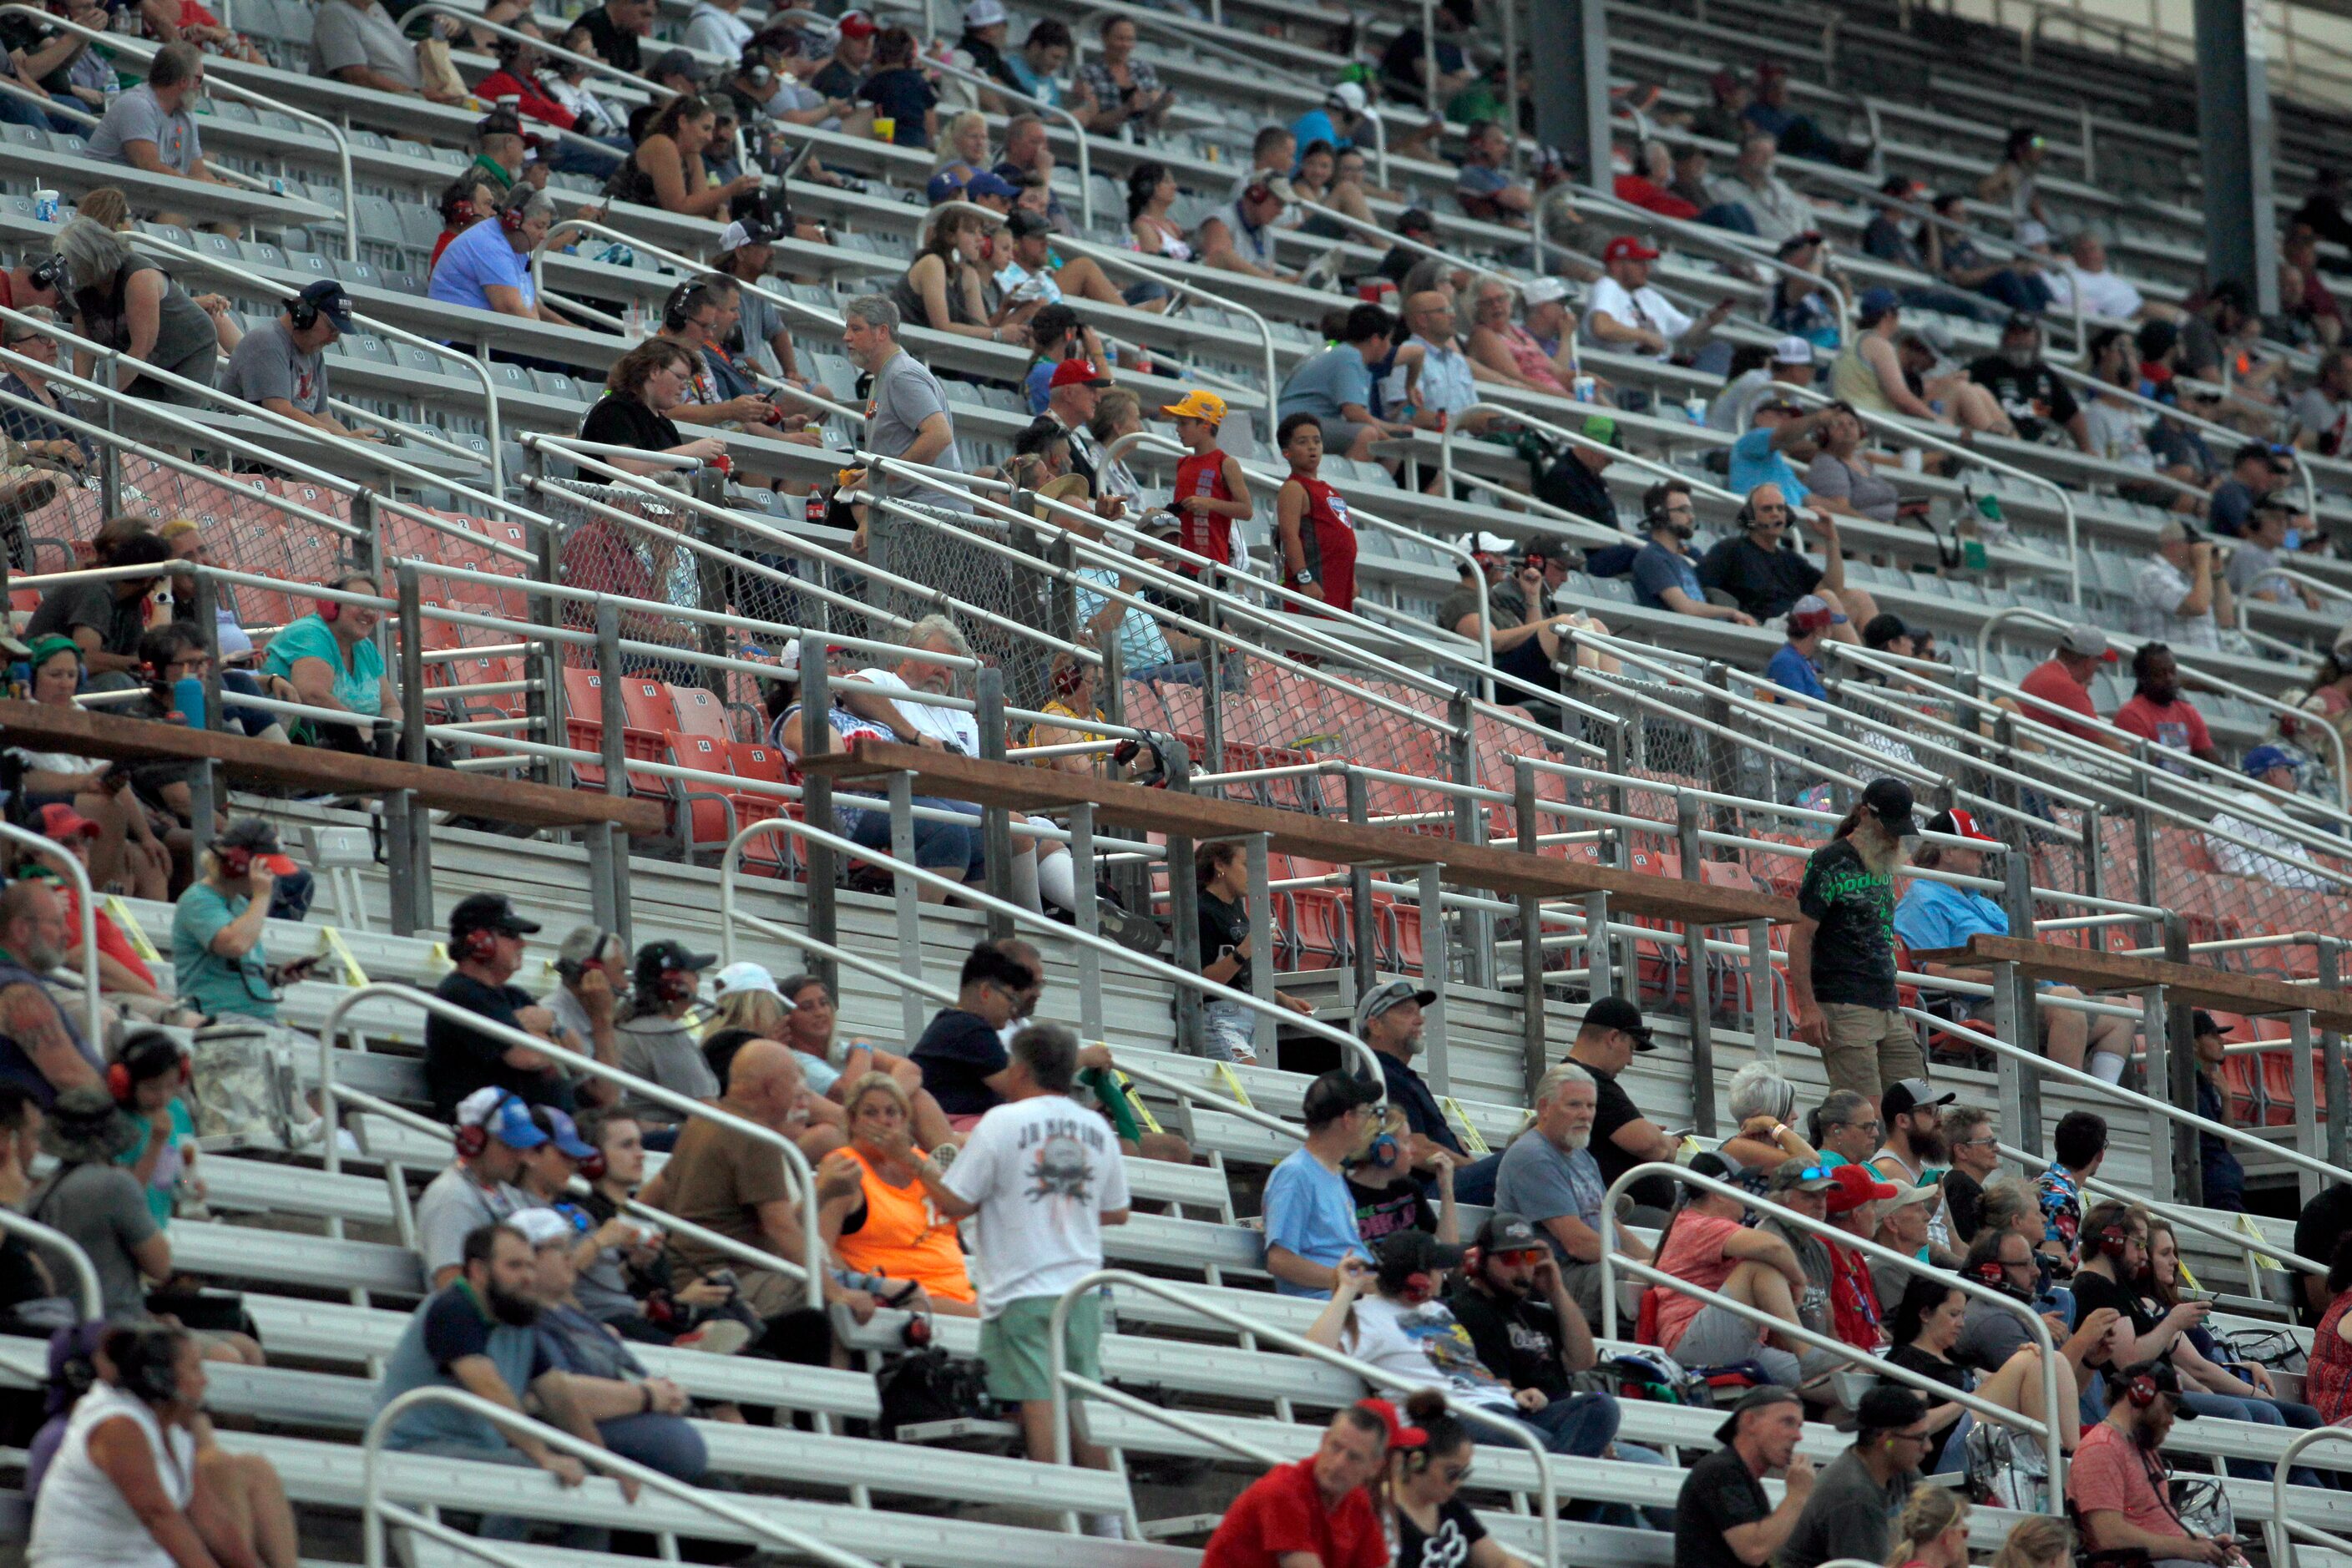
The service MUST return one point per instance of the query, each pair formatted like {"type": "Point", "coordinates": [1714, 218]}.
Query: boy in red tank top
{"type": "Point", "coordinates": [1211, 494]}
{"type": "Point", "coordinates": [1313, 535]}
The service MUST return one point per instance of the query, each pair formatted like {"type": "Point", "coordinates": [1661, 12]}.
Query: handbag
{"type": "Point", "coordinates": [924, 1385]}
{"type": "Point", "coordinates": [437, 72]}
{"type": "Point", "coordinates": [2006, 1468]}
{"type": "Point", "coordinates": [2201, 1504]}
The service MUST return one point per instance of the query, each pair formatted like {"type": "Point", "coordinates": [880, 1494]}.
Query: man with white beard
{"type": "Point", "coordinates": [1549, 1176]}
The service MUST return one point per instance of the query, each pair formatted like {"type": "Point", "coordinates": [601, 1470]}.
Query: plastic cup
{"type": "Point", "coordinates": [885, 128]}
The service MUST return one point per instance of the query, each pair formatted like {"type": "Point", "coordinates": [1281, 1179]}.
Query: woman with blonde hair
{"type": "Point", "coordinates": [2037, 1541]}
{"type": "Point", "coordinates": [1933, 1531]}
{"type": "Point", "coordinates": [900, 1237]}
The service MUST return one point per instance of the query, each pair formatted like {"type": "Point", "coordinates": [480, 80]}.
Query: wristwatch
{"type": "Point", "coordinates": [1302, 579]}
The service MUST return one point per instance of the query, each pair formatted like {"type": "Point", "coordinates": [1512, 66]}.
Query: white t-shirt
{"type": "Point", "coordinates": [1044, 1172]}
{"type": "Point", "coordinates": [952, 725]}
{"type": "Point", "coordinates": [2104, 294]}
{"type": "Point", "coordinates": [712, 31]}
{"type": "Point", "coordinates": [1425, 1345]}
{"type": "Point", "coordinates": [2253, 816]}
{"type": "Point", "coordinates": [80, 1520]}
{"type": "Point", "coordinates": [1642, 307]}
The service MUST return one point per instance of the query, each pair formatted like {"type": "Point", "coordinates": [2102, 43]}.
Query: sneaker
{"type": "Point", "coordinates": [720, 1336]}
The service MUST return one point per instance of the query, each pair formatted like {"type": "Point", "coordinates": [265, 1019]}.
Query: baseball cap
{"type": "Point", "coordinates": [1797, 1174]}
{"type": "Point", "coordinates": [945, 187]}
{"type": "Point", "coordinates": [1074, 372]}
{"type": "Point", "coordinates": [562, 1132]}
{"type": "Point", "coordinates": [1911, 1094]}
{"type": "Point", "coordinates": [2019, 322]}
{"type": "Point", "coordinates": [1959, 824]}
{"type": "Point", "coordinates": [660, 956]}
{"type": "Point", "coordinates": [1707, 1162]}
{"type": "Point", "coordinates": [1548, 547]}
{"type": "Point", "coordinates": [541, 1227]}
{"type": "Point", "coordinates": [985, 14]}
{"type": "Point", "coordinates": [1389, 993]}
{"type": "Point", "coordinates": [1543, 290]}
{"type": "Point", "coordinates": [1334, 1094]}
{"type": "Point", "coordinates": [488, 912]}
{"type": "Point", "coordinates": [1196, 405]}
{"type": "Point", "coordinates": [1617, 1013]}
{"type": "Point", "coordinates": [1259, 191]}
{"type": "Point", "coordinates": [2262, 759]}
{"type": "Point", "coordinates": [1874, 303]}
{"type": "Point", "coordinates": [989, 182]}
{"type": "Point", "coordinates": [1410, 1251]}
{"type": "Point", "coordinates": [679, 62]}
{"type": "Point", "coordinates": [1776, 405]}
{"type": "Point", "coordinates": [1159, 524]}
{"type": "Point", "coordinates": [1881, 630]}
{"type": "Point", "coordinates": [1026, 225]}
{"type": "Point", "coordinates": [2201, 1022]}
{"type": "Point", "coordinates": [1626, 248]}
{"type": "Point", "coordinates": [1416, 220]}
{"type": "Point", "coordinates": [327, 296]}
{"type": "Point", "coordinates": [1507, 1232]}
{"type": "Point", "coordinates": [503, 1116]}
{"type": "Point", "coordinates": [2174, 530]}
{"type": "Point", "coordinates": [2087, 642]}
{"type": "Point", "coordinates": [1855, 1185]}
{"type": "Point", "coordinates": [61, 821]}
{"type": "Point", "coordinates": [1812, 614]}
{"type": "Point", "coordinates": [2161, 1374]}
{"type": "Point", "coordinates": [1918, 1193]}
{"type": "Point", "coordinates": [1399, 1435]}
{"type": "Point", "coordinates": [745, 975]}
{"type": "Point", "coordinates": [760, 229]}
{"type": "Point", "coordinates": [1891, 801]}
{"type": "Point", "coordinates": [1763, 1398]}
{"type": "Point", "coordinates": [1793, 351]}
{"type": "Point", "coordinates": [251, 833]}
{"type": "Point", "coordinates": [1603, 428]}
{"type": "Point", "coordinates": [1799, 242]}
{"type": "Point", "coordinates": [1349, 96]}
{"type": "Point", "coordinates": [856, 25]}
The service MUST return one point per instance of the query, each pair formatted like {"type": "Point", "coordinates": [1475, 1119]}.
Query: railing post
{"type": "Point", "coordinates": [1362, 916]}
{"type": "Point", "coordinates": [1722, 773]}
{"type": "Point", "coordinates": [1600, 970]}
{"type": "Point", "coordinates": [710, 582]}
{"type": "Point", "coordinates": [1184, 910]}
{"type": "Point", "coordinates": [2024, 1029]}
{"type": "Point", "coordinates": [2179, 1083]}
{"type": "Point", "coordinates": [2018, 1089]}
{"type": "Point", "coordinates": [1435, 975]}
{"type": "Point", "coordinates": [544, 703]}
{"type": "Point", "coordinates": [406, 844]}
{"type": "Point", "coordinates": [1533, 1046]}
{"type": "Point", "coordinates": [1702, 1014]}
{"type": "Point", "coordinates": [2004, 789]}
{"type": "Point", "coordinates": [2331, 1052]}
{"type": "Point", "coordinates": [608, 846]}
{"type": "Point", "coordinates": [2095, 873]}
{"type": "Point", "coordinates": [1763, 1002]}
{"type": "Point", "coordinates": [995, 823]}
{"type": "Point", "coordinates": [1088, 918]}
{"type": "Point", "coordinates": [206, 793]}
{"type": "Point", "coordinates": [1213, 679]}
{"type": "Point", "coordinates": [2307, 1096]}
{"type": "Point", "coordinates": [1469, 827]}
{"type": "Point", "coordinates": [1062, 591]}
{"type": "Point", "coordinates": [816, 805]}
{"type": "Point", "coordinates": [906, 897]}
{"type": "Point", "coordinates": [1261, 940]}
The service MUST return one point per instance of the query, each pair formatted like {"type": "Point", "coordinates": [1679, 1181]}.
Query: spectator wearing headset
{"type": "Point", "coordinates": [486, 938]}
{"type": "Point", "coordinates": [137, 1477]}
{"type": "Point", "coordinates": [487, 268]}
{"type": "Point", "coordinates": [219, 957]}
{"type": "Point", "coordinates": [2116, 1485]}
{"type": "Point", "coordinates": [592, 970]}
{"type": "Point", "coordinates": [654, 1040]}
{"type": "Point", "coordinates": [493, 1135]}
{"type": "Point", "coordinates": [282, 367]}
{"type": "Point", "coordinates": [332, 658]}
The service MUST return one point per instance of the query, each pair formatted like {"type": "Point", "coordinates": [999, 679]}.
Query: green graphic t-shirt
{"type": "Point", "coordinates": [1854, 952]}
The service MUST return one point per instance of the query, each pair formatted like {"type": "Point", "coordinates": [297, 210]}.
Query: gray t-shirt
{"type": "Point", "coordinates": [1856, 484]}
{"type": "Point", "coordinates": [904, 394]}
{"type": "Point", "coordinates": [345, 35]}
{"type": "Point", "coordinates": [569, 1014]}
{"type": "Point", "coordinates": [666, 1051]}
{"type": "Point", "coordinates": [266, 364]}
{"type": "Point", "coordinates": [2252, 567]}
{"type": "Point", "coordinates": [1538, 1182]}
{"type": "Point", "coordinates": [135, 116]}
{"type": "Point", "coordinates": [1849, 1515]}
{"type": "Point", "coordinates": [1989, 1335]}
{"type": "Point", "coordinates": [104, 1208]}
{"type": "Point", "coordinates": [453, 1207]}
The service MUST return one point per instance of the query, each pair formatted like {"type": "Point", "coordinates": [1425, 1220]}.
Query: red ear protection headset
{"type": "Point", "coordinates": [472, 1138]}
{"type": "Point", "coordinates": [2141, 1391]}
{"type": "Point", "coordinates": [1992, 1271]}
{"type": "Point", "coordinates": [2112, 1241]}
{"type": "Point", "coordinates": [235, 860]}
{"type": "Point", "coordinates": [591, 1169]}
{"type": "Point", "coordinates": [1420, 1286]}
{"type": "Point", "coordinates": [510, 216]}
{"type": "Point", "coordinates": [476, 945]}
{"type": "Point", "coordinates": [119, 1082]}
{"type": "Point", "coordinates": [1068, 677]}
{"type": "Point", "coordinates": [674, 985]}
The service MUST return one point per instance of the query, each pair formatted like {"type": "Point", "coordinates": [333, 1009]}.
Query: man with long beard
{"type": "Point", "coordinates": [1841, 947]}
{"type": "Point", "coordinates": [1549, 1176]}
{"type": "Point", "coordinates": [479, 1336]}
{"type": "Point", "coordinates": [1915, 1153]}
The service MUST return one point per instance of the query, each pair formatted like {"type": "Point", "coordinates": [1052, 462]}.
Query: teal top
{"type": "Point", "coordinates": [358, 685]}
{"type": "Point", "coordinates": [206, 981]}
{"type": "Point", "coordinates": [168, 1165]}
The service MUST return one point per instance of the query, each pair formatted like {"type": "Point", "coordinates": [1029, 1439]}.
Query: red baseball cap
{"type": "Point", "coordinates": [1960, 824]}
{"type": "Point", "coordinates": [1076, 372]}
{"type": "Point", "coordinates": [62, 821]}
{"type": "Point", "coordinates": [1856, 1185]}
{"type": "Point", "coordinates": [1399, 1435]}
{"type": "Point", "coordinates": [1625, 247]}
{"type": "Point", "coordinates": [857, 24]}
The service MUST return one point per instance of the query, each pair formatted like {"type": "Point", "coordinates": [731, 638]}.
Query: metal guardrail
{"type": "Point", "coordinates": [1078, 127]}
{"type": "Point", "coordinates": [2282, 1529]}
{"type": "Point", "coordinates": [93, 1029]}
{"type": "Point", "coordinates": [92, 1300]}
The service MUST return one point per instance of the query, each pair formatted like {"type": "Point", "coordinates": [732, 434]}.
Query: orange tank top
{"type": "Point", "coordinates": [904, 1237]}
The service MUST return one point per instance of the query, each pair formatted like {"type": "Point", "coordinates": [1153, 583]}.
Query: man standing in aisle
{"type": "Point", "coordinates": [1842, 948]}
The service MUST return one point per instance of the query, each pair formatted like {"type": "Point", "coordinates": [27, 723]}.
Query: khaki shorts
{"type": "Point", "coordinates": [1869, 1047]}
{"type": "Point", "coordinates": [1014, 1346]}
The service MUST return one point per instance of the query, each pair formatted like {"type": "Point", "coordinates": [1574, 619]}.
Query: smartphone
{"type": "Point", "coordinates": [299, 969]}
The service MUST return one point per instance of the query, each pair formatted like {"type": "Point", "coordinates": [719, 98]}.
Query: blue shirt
{"type": "Point", "coordinates": [1314, 126]}
{"type": "Point", "coordinates": [1309, 1211]}
{"type": "Point", "coordinates": [1657, 569]}
{"type": "Point", "coordinates": [1336, 377]}
{"type": "Point", "coordinates": [1038, 384]}
{"type": "Point", "coordinates": [1480, 180]}
{"type": "Point", "coordinates": [1934, 915]}
{"type": "Point", "coordinates": [359, 685]}
{"type": "Point", "coordinates": [1756, 461]}
{"type": "Point", "coordinates": [1794, 670]}
{"type": "Point", "coordinates": [477, 259]}
{"type": "Point", "coordinates": [206, 981]}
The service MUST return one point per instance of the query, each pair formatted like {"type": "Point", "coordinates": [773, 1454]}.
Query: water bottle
{"type": "Point", "coordinates": [188, 697]}
{"type": "Point", "coordinates": [20, 681]}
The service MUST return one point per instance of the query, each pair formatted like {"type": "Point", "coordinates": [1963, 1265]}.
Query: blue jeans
{"type": "Point", "coordinates": [663, 1443]}
{"type": "Point", "coordinates": [2017, 290]}
{"type": "Point", "coordinates": [572, 158]}
{"type": "Point", "coordinates": [946, 847]}
{"type": "Point", "coordinates": [1730, 216]}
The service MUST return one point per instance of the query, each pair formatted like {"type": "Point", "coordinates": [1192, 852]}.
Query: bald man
{"type": "Point", "coordinates": [734, 1184]}
{"type": "Point", "coordinates": [1766, 578]}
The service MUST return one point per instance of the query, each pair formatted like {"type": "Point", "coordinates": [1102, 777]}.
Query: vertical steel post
{"type": "Point", "coordinates": [1599, 973]}
{"type": "Point", "coordinates": [2025, 1020]}
{"type": "Point", "coordinates": [406, 828]}
{"type": "Point", "coordinates": [2331, 1051]}
{"type": "Point", "coordinates": [2094, 870]}
{"type": "Point", "coordinates": [1260, 872]}
{"type": "Point", "coordinates": [2019, 1087]}
{"type": "Point", "coordinates": [1435, 975]}
{"type": "Point", "coordinates": [613, 715]}
{"type": "Point", "coordinates": [906, 900]}
{"type": "Point", "coordinates": [1183, 909]}
{"type": "Point", "coordinates": [2179, 1081]}
{"type": "Point", "coordinates": [711, 592]}
{"type": "Point", "coordinates": [1362, 916]}
{"type": "Point", "coordinates": [544, 659]}
{"type": "Point", "coordinates": [817, 807]}
{"type": "Point", "coordinates": [996, 822]}
{"type": "Point", "coordinates": [1088, 918]}
{"type": "Point", "coordinates": [1702, 1012]}
{"type": "Point", "coordinates": [1533, 1046]}
{"type": "Point", "coordinates": [1469, 827]}
{"type": "Point", "coordinates": [1763, 1006]}
{"type": "Point", "coordinates": [208, 790]}
{"type": "Point", "coordinates": [2306, 1099]}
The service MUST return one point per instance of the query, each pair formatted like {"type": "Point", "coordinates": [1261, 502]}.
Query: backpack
{"type": "Point", "coordinates": [244, 1088]}
{"type": "Point", "coordinates": [929, 1384]}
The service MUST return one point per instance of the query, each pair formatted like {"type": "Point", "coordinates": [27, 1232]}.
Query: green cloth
{"type": "Point", "coordinates": [359, 686]}
{"type": "Point", "coordinates": [215, 985]}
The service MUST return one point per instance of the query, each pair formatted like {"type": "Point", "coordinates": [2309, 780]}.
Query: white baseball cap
{"type": "Point", "coordinates": [1793, 351]}
{"type": "Point", "coordinates": [746, 976]}
{"type": "Point", "coordinates": [1350, 95]}
{"type": "Point", "coordinates": [1543, 290]}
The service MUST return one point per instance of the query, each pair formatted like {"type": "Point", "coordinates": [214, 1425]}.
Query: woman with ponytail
{"type": "Point", "coordinates": [1933, 1531]}
{"type": "Point", "coordinates": [1434, 1527]}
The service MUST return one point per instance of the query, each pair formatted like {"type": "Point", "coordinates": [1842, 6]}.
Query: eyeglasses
{"type": "Point", "coordinates": [1919, 1436]}
{"type": "Point", "coordinates": [1871, 1126]}
{"type": "Point", "coordinates": [1454, 1474]}
{"type": "Point", "coordinates": [1990, 1140]}
{"type": "Point", "coordinates": [1518, 1255]}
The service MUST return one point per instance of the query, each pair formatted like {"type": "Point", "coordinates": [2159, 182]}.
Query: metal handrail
{"type": "Point", "coordinates": [1298, 1344]}
{"type": "Point", "coordinates": [141, 50]}
{"type": "Point", "coordinates": [93, 1018]}
{"type": "Point", "coordinates": [2282, 1527]}
{"type": "Point", "coordinates": [605, 68]}
{"type": "Point", "coordinates": [2026, 613]}
{"type": "Point", "coordinates": [1910, 431]}
{"type": "Point", "coordinates": [2036, 1330]}
{"type": "Point", "coordinates": [795, 1164]}
{"type": "Point", "coordinates": [1350, 1045]}
{"type": "Point", "coordinates": [496, 430]}
{"type": "Point", "coordinates": [2186, 1218]}
{"type": "Point", "coordinates": [2139, 400]}
{"type": "Point", "coordinates": [1724, 240]}
{"type": "Point", "coordinates": [1077, 128]}
{"type": "Point", "coordinates": [375, 1510]}
{"type": "Point", "coordinates": [93, 1299]}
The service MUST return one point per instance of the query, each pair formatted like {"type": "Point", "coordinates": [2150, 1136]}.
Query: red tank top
{"type": "Point", "coordinates": [1203, 474]}
{"type": "Point", "coordinates": [1327, 537]}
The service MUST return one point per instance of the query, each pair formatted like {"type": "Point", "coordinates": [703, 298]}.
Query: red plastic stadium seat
{"type": "Point", "coordinates": [700, 712]}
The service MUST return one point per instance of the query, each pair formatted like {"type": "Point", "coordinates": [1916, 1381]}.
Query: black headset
{"type": "Point", "coordinates": [682, 304]}
{"type": "Point", "coordinates": [303, 312]}
{"type": "Point", "coordinates": [144, 1357]}
{"type": "Point", "coordinates": [569, 968]}
{"type": "Point", "coordinates": [48, 273]}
